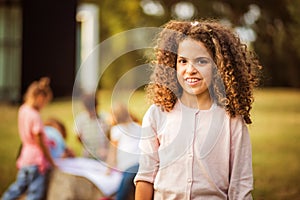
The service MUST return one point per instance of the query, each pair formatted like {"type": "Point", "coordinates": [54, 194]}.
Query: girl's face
{"type": "Point", "coordinates": [41, 101]}
{"type": "Point", "coordinates": [194, 67]}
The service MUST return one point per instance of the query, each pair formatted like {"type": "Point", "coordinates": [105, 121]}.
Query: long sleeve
{"type": "Point", "coordinates": [241, 175]}
{"type": "Point", "coordinates": [172, 145]}
{"type": "Point", "coordinates": [149, 144]}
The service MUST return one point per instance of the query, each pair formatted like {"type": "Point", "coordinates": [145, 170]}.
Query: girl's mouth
{"type": "Point", "coordinates": [193, 81]}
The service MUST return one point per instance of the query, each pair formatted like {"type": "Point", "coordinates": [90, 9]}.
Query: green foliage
{"type": "Point", "coordinates": [277, 29]}
{"type": "Point", "coordinates": [293, 8]}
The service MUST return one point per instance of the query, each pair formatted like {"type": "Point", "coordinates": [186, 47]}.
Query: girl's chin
{"type": "Point", "coordinates": [196, 91]}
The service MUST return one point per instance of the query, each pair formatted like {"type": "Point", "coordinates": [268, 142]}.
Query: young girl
{"type": "Point", "coordinates": [34, 159]}
{"type": "Point", "coordinates": [195, 142]}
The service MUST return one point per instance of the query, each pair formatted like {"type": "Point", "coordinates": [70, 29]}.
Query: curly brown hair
{"type": "Point", "coordinates": [236, 66]}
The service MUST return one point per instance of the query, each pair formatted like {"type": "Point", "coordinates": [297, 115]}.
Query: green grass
{"type": "Point", "coordinates": [275, 135]}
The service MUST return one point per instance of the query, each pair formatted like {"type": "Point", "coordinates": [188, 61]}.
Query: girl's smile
{"type": "Point", "coordinates": [194, 67]}
{"type": "Point", "coordinates": [193, 81]}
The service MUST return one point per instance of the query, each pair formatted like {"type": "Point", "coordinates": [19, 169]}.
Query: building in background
{"type": "Point", "coordinates": [48, 43]}
{"type": "Point", "coordinates": [10, 49]}
{"type": "Point", "coordinates": [43, 38]}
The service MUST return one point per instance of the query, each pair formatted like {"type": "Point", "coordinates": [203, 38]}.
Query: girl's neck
{"type": "Point", "coordinates": [201, 102]}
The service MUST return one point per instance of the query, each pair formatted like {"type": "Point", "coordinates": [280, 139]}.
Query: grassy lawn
{"type": "Point", "coordinates": [276, 144]}
{"type": "Point", "coordinates": [275, 135]}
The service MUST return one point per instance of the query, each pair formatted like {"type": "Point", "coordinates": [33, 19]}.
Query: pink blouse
{"type": "Point", "coordinates": [196, 154]}
{"type": "Point", "coordinates": [30, 123]}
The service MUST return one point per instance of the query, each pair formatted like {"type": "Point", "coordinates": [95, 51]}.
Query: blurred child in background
{"type": "Point", "coordinates": [92, 129]}
{"type": "Point", "coordinates": [34, 160]}
{"type": "Point", "coordinates": [56, 135]}
{"type": "Point", "coordinates": [124, 152]}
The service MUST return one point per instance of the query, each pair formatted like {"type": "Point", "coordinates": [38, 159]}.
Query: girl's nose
{"type": "Point", "coordinates": [191, 68]}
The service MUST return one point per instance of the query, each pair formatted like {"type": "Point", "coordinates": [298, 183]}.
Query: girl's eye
{"type": "Point", "coordinates": [182, 61]}
{"type": "Point", "coordinates": [202, 61]}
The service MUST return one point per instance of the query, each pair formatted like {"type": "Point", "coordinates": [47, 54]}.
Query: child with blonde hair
{"type": "Point", "coordinates": [34, 160]}
{"type": "Point", "coordinates": [195, 142]}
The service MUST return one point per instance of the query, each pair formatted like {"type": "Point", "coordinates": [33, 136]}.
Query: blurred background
{"type": "Point", "coordinates": [54, 37]}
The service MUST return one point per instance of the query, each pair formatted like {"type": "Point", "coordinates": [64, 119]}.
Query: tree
{"type": "Point", "coordinates": [277, 27]}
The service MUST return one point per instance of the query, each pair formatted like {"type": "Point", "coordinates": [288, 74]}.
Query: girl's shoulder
{"type": "Point", "coordinates": [153, 115]}
{"type": "Point", "coordinates": [155, 111]}
{"type": "Point", "coordinates": [154, 108]}
{"type": "Point", "coordinates": [157, 117]}
{"type": "Point", "coordinates": [159, 109]}
{"type": "Point", "coordinates": [28, 111]}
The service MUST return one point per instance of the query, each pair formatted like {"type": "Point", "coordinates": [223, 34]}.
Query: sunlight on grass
{"type": "Point", "coordinates": [276, 144]}
{"type": "Point", "coordinates": [275, 138]}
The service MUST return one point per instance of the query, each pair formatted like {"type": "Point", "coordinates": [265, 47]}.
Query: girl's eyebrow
{"type": "Point", "coordinates": [180, 56]}
{"type": "Point", "coordinates": [202, 57]}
